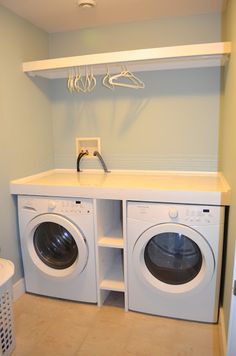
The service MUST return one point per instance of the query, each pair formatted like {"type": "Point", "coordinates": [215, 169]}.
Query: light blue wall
{"type": "Point", "coordinates": [25, 117]}
{"type": "Point", "coordinates": [164, 32]}
{"type": "Point", "coordinates": [171, 124]}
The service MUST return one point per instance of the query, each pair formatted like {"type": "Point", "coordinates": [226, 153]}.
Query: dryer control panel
{"type": "Point", "coordinates": [183, 214]}
{"type": "Point", "coordinates": [200, 216]}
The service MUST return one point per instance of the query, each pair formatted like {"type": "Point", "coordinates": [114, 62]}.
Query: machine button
{"type": "Point", "coordinates": [173, 213]}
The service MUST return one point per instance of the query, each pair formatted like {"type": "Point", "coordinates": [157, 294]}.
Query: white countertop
{"type": "Point", "coordinates": [161, 186]}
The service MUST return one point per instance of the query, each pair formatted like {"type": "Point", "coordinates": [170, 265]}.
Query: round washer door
{"type": "Point", "coordinates": [55, 245]}
{"type": "Point", "coordinates": [173, 258]}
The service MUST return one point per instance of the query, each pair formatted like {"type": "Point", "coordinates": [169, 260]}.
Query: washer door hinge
{"type": "Point", "coordinates": [234, 288]}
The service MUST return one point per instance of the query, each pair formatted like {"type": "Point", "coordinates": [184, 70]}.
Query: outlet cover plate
{"type": "Point", "coordinates": [89, 144]}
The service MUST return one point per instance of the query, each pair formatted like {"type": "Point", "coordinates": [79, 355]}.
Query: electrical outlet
{"type": "Point", "coordinates": [89, 144]}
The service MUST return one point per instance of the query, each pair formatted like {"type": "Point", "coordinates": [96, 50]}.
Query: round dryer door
{"type": "Point", "coordinates": [173, 258]}
{"type": "Point", "coordinates": [55, 245]}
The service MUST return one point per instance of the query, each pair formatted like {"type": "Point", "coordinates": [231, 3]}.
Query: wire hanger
{"type": "Point", "coordinates": [77, 80]}
{"type": "Point", "coordinates": [70, 82]}
{"type": "Point", "coordinates": [133, 81]}
{"type": "Point", "coordinates": [79, 83]}
{"type": "Point", "coordinates": [91, 80]}
{"type": "Point", "coordinates": [106, 80]}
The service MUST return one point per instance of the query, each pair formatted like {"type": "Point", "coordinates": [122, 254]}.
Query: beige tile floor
{"type": "Point", "coordinates": [48, 327]}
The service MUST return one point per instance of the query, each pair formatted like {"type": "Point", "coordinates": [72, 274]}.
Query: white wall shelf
{"type": "Point", "coordinates": [175, 57]}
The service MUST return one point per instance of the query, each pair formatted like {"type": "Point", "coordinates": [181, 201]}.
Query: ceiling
{"type": "Point", "coordinates": [65, 15]}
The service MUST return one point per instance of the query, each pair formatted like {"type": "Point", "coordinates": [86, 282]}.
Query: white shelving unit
{"type": "Point", "coordinates": [110, 249]}
{"type": "Point", "coordinates": [175, 57]}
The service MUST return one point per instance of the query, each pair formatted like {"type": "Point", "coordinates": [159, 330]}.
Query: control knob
{"type": "Point", "coordinates": [173, 213]}
{"type": "Point", "coordinates": [51, 205]}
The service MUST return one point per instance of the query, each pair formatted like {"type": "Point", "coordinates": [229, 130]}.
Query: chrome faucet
{"type": "Point", "coordinates": [80, 156]}
{"type": "Point", "coordinates": [97, 154]}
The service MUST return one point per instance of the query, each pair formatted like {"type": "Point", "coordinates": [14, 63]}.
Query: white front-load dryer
{"type": "Point", "coordinates": [58, 248]}
{"type": "Point", "coordinates": [174, 259]}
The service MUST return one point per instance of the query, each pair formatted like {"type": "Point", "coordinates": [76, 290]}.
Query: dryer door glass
{"type": "Point", "coordinates": [173, 258]}
{"type": "Point", "coordinates": [55, 246]}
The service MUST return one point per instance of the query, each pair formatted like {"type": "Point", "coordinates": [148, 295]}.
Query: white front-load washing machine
{"type": "Point", "coordinates": [58, 248]}
{"type": "Point", "coordinates": [174, 259]}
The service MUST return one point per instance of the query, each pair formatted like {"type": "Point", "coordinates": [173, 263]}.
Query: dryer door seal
{"type": "Point", "coordinates": [55, 245]}
{"type": "Point", "coordinates": [173, 258]}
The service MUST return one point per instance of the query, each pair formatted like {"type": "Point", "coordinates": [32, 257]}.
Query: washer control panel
{"type": "Point", "coordinates": [74, 207]}
{"type": "Point", "coordinates": [56, 205]}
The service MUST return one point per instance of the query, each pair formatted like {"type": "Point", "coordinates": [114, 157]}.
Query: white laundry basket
{"type": "Point", "coordinates": [7, 335]}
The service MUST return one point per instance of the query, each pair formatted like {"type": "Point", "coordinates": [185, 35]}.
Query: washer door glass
{"type": "Point", "coordinates": [173, 258]}
{"type": "Point", "coordinates": [54, 245]}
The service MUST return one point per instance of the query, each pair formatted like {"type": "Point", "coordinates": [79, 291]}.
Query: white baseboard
{"type": "Point", "coordinates": [222, 332]}
{"type": "Point", "coordinates": [18, 289]}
